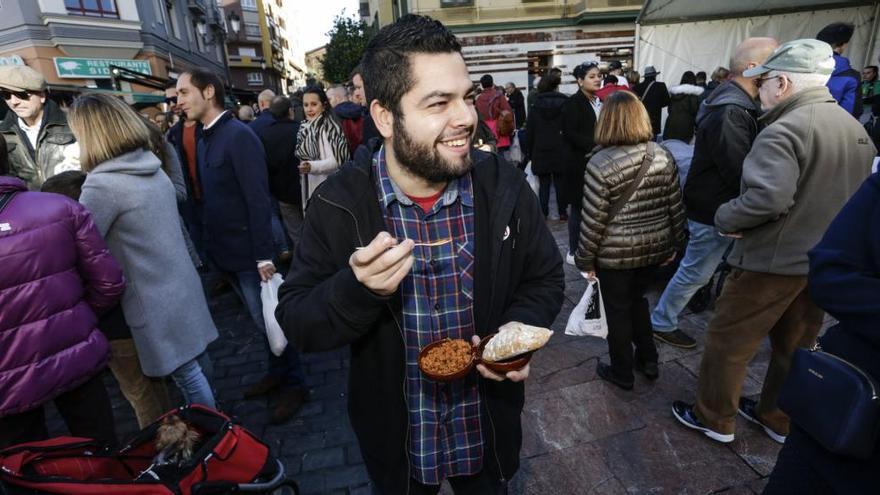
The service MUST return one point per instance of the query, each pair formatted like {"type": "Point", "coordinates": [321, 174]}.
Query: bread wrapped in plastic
{"type": "Point", "coordinates": [513, 339]}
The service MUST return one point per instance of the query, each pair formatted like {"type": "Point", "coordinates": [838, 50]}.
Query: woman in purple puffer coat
{"type": "Point", "coordinates": [56, 274]}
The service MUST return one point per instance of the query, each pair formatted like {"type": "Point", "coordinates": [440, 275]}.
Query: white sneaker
{"type": "Point", "coordinates": [569, 258]}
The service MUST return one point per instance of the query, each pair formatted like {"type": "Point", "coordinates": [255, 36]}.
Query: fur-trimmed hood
{"type": "Point", "coordinates": [686, 89]}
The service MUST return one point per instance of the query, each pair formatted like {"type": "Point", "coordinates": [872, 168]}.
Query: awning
{"type": "Point", "coordinates": [131, 96]}
{"type": "Point", "coordinates": [674, 11]}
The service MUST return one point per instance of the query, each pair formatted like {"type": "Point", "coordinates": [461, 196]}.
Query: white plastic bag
{"type": "Point", "coordinates": [588, 317]}
{"type": "Point", "coordinates": [532, 179]}
{"type": "Point", "coordinates": [269, 295]}
{"type": "Point", "coordinates": [514, 154]}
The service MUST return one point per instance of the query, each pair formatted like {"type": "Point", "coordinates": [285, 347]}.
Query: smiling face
{"type": "Point", "coordinates": [312, 106]}
{"type": "Point", "coordinates": [431, 138]}
{"type": "Point", "coordinates": [190, 99]}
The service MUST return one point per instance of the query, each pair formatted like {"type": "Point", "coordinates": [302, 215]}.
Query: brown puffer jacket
{"type": "Point", "coordinates": [648, 229]}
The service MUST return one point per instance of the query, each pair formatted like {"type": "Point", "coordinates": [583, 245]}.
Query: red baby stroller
{"type": "Point", "coordinates": [226, 459]}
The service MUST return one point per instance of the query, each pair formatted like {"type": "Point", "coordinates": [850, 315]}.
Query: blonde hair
{"type": "Point", "coordinates": [623, 121]}
{"type": "Point", "coordinates": [105, 128]}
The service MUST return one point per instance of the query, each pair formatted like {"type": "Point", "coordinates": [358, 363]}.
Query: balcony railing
{"type": "Point", "coordinates": [475, 11]}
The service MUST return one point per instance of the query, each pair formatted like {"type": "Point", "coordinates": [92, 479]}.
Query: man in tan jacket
{"type": "Point", "coordinates": [806, 163]}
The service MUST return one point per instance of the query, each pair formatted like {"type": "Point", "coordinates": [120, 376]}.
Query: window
{"type": "Point", "coordinates": [92, 8]}
{"type": "Point", "coordinates": [252, 29]}
{"type": "Point", "coordinates": [200, 43]}
{"type": "Point", "coordinates": [249, 4]}
{"type": "Point", "coordinates": [456, 3]}
{"type": "Point", "coordinates": [169, 18]}
{"type": "Point", "coordinates": [247, 51]}
{"type": "Point", "coordinates": [255, 78]}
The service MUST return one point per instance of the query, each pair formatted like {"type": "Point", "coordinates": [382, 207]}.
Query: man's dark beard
{"type": "Point", "coordinates": [425, 161]}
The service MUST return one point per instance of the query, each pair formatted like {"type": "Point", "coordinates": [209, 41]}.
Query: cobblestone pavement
{"type": "Point", "coordinates": [581, 435]}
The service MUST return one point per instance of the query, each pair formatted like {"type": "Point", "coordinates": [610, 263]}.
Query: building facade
{"type": "Point", "coordinates": [73, 42]}
{"type": "Point", "coordinates": [315, 63]}
{"type": "Point", "coordinates": [518, 40]}
{"type": "Point", "coordinates": [261, 54]}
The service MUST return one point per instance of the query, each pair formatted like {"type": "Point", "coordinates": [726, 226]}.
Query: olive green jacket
{"type": "Point", "coordinates": [56, 149]}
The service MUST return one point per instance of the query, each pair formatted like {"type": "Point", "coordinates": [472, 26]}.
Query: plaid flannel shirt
{"type": "Point", "coordinates": [444, 418]}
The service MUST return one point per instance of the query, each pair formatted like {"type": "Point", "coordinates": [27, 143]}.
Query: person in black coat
{"type": "Point", "coordinates": [543, 143]}
{"type": "Point", "coordinates": [279, 140]}
{"type": "Point", "coordinates": [339, 296]}
{"type": "Point", "coordinates": [844, 281]}
{"type": "Point", "coordinates": [579, 115]}
{"type": "Point", "coordinates": [517, 103]}
{"type": "Point", "coordinates": [654, 96]}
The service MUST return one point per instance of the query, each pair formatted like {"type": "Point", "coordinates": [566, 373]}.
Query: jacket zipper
{"type": "Point", "coordinates": [868, 379]}
{"type": "Point", "coordinates": [402, 337]}
{"type": "Point", "coordinates": [482, 387]}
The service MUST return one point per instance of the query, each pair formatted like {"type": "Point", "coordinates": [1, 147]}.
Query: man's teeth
{"type": "Point", "coordinates": [456, 142]}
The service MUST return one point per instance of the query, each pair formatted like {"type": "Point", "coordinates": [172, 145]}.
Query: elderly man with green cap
{"type": "Point", "coordinates": [804, 165]}
{"type": "Point", "coordinates": [39, 143]}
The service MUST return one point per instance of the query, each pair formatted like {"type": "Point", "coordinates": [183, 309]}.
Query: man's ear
{"type": "Point", "coordinates": [209, 92]}
{"type": "Point", "coordinates": [383, 118]}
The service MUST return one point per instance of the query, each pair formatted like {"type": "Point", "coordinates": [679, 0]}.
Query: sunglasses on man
{"type": "Point", "coordinates": [759, 81]}
{"type": "Point", "coordinates": [21, 95]}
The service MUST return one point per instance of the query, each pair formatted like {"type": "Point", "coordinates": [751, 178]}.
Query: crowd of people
{"type": "Point", "coordinates": [398, 205]}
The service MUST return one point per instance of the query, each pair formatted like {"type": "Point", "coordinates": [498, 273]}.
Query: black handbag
{"type": "Point", "coordinates": [834, 401]}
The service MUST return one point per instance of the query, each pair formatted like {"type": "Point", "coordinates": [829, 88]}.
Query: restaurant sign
{"type": "Point", "coordinates": [96, 68]}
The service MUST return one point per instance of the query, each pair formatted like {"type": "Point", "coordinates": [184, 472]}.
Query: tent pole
{"type": "Point", "coordinates": [636, 60]}
{"type": "Point", "coordinates": [873, 38]}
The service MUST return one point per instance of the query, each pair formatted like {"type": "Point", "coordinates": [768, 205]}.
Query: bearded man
{"type": "Point", "coordinates": [452, 244]}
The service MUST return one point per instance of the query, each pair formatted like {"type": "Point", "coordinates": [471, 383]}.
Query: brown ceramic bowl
{"type": "Point", "coordinates": [449, 377]}
{"type": "Point", "coordinates": [515, 363]}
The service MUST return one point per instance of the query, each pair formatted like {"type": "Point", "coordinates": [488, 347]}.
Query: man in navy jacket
{"type": "Point", "coordinates": [237, 212]}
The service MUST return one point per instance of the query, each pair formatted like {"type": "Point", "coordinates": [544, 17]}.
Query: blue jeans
{"type": "Point", "coordinates": [193, 384]}
{"type": "Point", "coordinates": [705, 251]}
{"type": "Point", "coordinates": [288, 365]}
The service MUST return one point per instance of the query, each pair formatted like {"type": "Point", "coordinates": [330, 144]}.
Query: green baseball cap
{"type": "Point", "coordinates": [807, 55]}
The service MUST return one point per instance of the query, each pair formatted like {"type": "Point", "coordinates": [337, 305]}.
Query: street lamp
{"type": "Point", "coordinates": [234, 22]}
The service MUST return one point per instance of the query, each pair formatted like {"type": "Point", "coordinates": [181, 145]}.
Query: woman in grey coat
{"type": "Point", "coordinates": [133, 204]}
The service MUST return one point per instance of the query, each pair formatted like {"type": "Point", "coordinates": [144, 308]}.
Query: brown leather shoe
{"type": "Point", "coordinates": [289, 402]}
{"type": "Point", "coordinates": [263, 387]}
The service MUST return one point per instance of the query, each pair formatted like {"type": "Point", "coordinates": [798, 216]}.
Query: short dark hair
{"type": "Point", "coordinates": [581, 70]}
{"type": "Point", "coordinates": [486, 81]}
{"type": "Point", "coordinates": [611, 79]}
{"type": "Point", "coordinates": [202, 78]}
{"type": "Point", "coordinates": [872, 67]}
{"type": "Point", "coordinates": [701, 76]}
{"type": "Point", "coordinates": [68, 183]}
{"type": "Point", "coordinates": [280, 107]}
{"type": "Point", "coordinates": [836, 33]}
{"type": "Point", "coordinates": [386, 66]}
{"type": "Point", "coordinates": [550, 82]}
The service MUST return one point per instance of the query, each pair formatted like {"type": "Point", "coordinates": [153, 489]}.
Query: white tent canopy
{"type": "Point", "coordinates": [680, 35]}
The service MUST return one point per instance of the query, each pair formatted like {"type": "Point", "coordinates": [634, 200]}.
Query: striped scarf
{"type": "Point", "coordinates": [308, 140]}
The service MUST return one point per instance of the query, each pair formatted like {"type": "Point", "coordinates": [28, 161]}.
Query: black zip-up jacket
{"type": "Point", "coordinates": [726, 128]}
{"type": "Point", "coordinates": [517, 277]}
